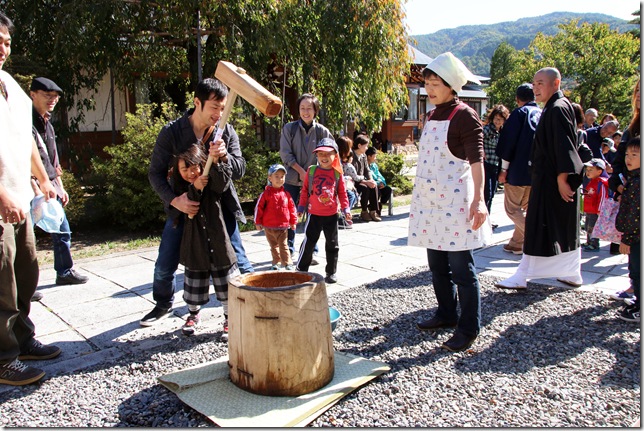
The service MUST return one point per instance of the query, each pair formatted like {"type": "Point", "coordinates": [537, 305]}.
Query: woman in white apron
{"type": "Point", "coordinates": [448, 215]}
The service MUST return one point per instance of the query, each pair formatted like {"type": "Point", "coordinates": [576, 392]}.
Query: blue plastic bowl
{"type": "Point", "coordinates": [335, 316]}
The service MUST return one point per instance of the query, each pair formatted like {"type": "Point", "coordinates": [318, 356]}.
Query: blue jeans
{"type": "Point", "coordinates": [454, 273]}
{"type": "Point", "coordinates": [167, 263]}
{"type": "Point", "coordinates": [294, 191]}
{"type": "Point", "coordinates": [235, 240]}
{"type": "Point", "coordinates": [62, 243]}
{"type": "Point", "coordinates": [353, 198]}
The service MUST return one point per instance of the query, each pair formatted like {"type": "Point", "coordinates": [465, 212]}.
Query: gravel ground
{"type": "Point", "coordinates": [548, 357]}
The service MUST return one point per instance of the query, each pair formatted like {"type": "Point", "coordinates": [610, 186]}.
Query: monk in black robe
{"type": "Point", "coordinates": [551, 247]}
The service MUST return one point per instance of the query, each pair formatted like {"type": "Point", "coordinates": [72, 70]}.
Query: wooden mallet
{"type": "Point", "coordinates": [243, 85]}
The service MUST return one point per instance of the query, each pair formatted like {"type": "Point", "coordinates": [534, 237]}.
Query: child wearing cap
{"type": "Point", "coordinates": [205, 249]}
{"type": "Point", "coordinates": [322, 187]}
{"type": "Point", "coordinates": [275, 213]}
{"type": "Point", "coordinates": [628, 222]}
{"type": "Point", "coordinates": [594, 193]}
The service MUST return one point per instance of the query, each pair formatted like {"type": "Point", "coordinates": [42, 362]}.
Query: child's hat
{"type": "Point", "coordinates": [598, 163]}
{"type": "Point", "coordinates": [326, 144]}
{"type": "Point", "coordinates": [610, 144]}
{"type": "Point", "coordinates": [276, 167]}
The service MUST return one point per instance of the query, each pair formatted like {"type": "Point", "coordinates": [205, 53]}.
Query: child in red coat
{"type": "Point", "coordinates": [322, 189]}
{"type": "Point", "coordinates": [275, 213]}
{"type": "Point", "coordinates": [594, 193]}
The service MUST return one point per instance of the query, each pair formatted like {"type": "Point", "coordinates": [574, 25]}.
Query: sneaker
{"type": "Point", "coordinates": [621, 295]}
{"type": "Point", "coordinates": [71, 276]}
{"type": "Point", "coordinates": [290, 267]}
{"type": "Point", "coordinates": [331, 278]}
{"type": "Point", "coordinates": [17, 374]}
{"type": "Point", "coordinates": [224, 335]}
{"type": "Point", "coordinates": [629, 301]}
{"type": "Point", "coordinates": [364, 215]}
{"type": "Point", "coordinates": [37, 351]}
{"type": "Point", "coordinates": [37, 296]}
{"type": "Point", "coordinates": [592, 248]}
{"type": "Point", "coordinates": [192, 322]}
{"type": "Point", "coordinates": [154, 316]}
{"type": "Point", "coordinates": [630, 313]}
{"type": "Point", "coordinates": [514, 250]}
{"type": "Point", "coordinates": [314, 262]}
{"type": "Point", "coordinates": [374, 216]}
{"type": "Point", "coordinates": [275, 268]}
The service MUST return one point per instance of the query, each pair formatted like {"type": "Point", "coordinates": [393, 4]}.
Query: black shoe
{"type": "Point", "coordinates": [37, 296]}
{"type": "Point", "coordinates": [630, 313]}
{"type": "Point", "coordinates": [458, 342]}
{"type": "Point", "coordinates": [154, 316]}
{"type": "Point", "coordinates": [331, 278]}
{"type": "Point", "coordinates": [434, 323]}
{"type": "Point", "coordinates": [314, 262]}
{"type": "Point", "coordinates": [37, 351]}
{"type": "Point", "coordinates": [71, 277]}
{"type": "Point", "coordinates": [17, 374]}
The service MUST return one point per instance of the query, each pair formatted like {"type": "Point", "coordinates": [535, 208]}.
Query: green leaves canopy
{"type": "Point", "coordinates": [351, 53]}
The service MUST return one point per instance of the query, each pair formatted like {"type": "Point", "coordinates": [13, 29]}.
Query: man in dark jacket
{"type": "Point", "coordinates": [45, 94]}
{"type": "Point", "coordinates": [196, 126]}
{"type": "Point", "coordinates": [551, 246]}
{"type": "Point", "coordinates": [514, 149]}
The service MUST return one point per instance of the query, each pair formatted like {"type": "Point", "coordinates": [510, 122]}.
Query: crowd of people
{"type": "Point", "coordinates": [542, 157]}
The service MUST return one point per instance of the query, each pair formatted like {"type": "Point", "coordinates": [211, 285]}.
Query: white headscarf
{"type": "Point", "coordinates": [452, 70]}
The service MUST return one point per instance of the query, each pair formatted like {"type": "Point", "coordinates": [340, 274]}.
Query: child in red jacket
{"type": "Point", "coordinates": [275, 213]}
{"type": "Point", "coordinates": [323, 187]}
{"type": "Point", "coordinates": [594, 193]}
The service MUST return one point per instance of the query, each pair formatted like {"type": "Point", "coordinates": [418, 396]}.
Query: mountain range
{"type": "Point", "coordinates": [475, 44]}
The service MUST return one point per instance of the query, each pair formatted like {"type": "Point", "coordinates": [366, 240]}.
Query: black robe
{"type": "Point", "coordinates": [552, 225]}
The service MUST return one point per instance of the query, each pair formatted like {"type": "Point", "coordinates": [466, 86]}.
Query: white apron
{"type": "Point", "coordinates": [442, 195]}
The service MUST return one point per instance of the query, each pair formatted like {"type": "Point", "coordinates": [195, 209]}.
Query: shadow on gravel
{"type": "Point", "coordinates": [554, 341]}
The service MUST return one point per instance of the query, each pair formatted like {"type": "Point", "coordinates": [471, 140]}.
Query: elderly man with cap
{"type": "Point", "coordinates": [448, 215]}
{"type": "Point", "coordinates": [515, 148]}
{"type": "Point", "coordinates": [45, 95]}
{"type": "Point", "coordinates": [551, 246]}
{"type": "Point", "coordinates": [18, 263]}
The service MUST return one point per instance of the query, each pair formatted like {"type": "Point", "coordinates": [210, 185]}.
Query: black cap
{"type": "Point", "coordinates": [45, 84]}
{"type": "Point", "coordinates": [525, 93]}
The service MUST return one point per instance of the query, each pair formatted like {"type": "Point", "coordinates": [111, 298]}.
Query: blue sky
{"type": "Point", "coordinates": [429, 16]}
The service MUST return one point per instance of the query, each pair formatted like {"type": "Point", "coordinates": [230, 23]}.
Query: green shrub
{"type": "Point", "coordinates": [258, 158]}
{"type": "Point", "coordinates": [124, 192]}
{"type": "Point", "coordinates": [393, 167]}
{"type": "Point", "coordinates": [75, 209]}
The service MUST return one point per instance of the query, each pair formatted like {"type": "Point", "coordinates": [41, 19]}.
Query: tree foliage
{"type": "Point", "coordinates": [598, 66]}
{"type": "Point", "coordinates": [352, 53]}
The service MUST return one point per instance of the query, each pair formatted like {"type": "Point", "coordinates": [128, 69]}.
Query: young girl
{"type": "Point", "coordinates": [205, 246]}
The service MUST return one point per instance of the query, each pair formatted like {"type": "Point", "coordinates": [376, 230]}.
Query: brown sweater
{"type": "Point", "coordinates": [465, 133]}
